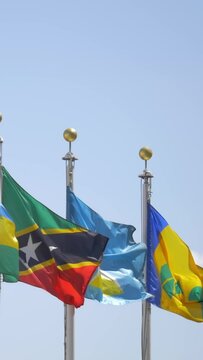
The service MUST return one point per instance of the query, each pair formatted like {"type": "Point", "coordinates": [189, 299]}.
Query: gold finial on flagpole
{"type": "Point", "coordinates": [145, 153]}
{"type": "Point", "coordinates": [70, 134]}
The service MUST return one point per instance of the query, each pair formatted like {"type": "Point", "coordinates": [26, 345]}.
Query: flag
{"type": "Point", "coordinates": [173, 278]}
{"type": "Point", "coordinates": [9, 254]}
{"type": "Point", "coordinates": [55, 255]}
{"type": "Point", "coordinates": [119, 279]}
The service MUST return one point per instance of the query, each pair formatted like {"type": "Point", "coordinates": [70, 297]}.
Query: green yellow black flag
{"type": "Point", "coordinates": [55, 254]}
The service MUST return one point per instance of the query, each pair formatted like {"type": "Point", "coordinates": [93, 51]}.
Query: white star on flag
{"type": "Point", "coordinates": [30, 248]}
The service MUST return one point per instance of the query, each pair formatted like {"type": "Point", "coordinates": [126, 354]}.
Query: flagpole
{"type": "Point", "coordinates": [1, 175]}
{"type": "Point", "coordinates": [1, 181]}
{"type": "Point", "coordinates": [145, 154]}
{"type": "Point", "coordinates": [69, 311]}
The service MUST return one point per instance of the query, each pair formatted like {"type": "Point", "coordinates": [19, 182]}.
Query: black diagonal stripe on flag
{"type": "Point", "coordinates": [36, 247]}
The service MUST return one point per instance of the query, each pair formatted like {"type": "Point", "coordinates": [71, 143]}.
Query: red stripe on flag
{"type": "Point", "coordinates": [69, 285]}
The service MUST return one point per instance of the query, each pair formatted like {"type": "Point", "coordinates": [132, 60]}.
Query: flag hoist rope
{"type": "Point", "coordinates": [146, 176]}
{"type": "Point", "coordinates": [69, 310]}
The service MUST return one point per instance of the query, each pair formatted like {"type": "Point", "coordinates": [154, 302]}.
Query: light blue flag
{"type": "Point", "coordinates": [119, 280]}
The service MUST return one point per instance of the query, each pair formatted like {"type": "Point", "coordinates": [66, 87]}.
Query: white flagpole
{"type": "Point", "coordinates": [145, 154]}
{"type": "Point", "coordinates": [69, 310]}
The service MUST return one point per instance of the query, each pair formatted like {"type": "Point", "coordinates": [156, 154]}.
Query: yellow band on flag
{"type": "Point", "coordinates": [7, 231]}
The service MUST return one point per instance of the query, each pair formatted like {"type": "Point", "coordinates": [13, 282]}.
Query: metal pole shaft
{"type": "Point", "coordinates": [1, 190]}
{"type": "Point", "coordinates": [69, 313]}
{"type": "Point", "coordinates": [69, 310]}
{"type": "Point", "coordinates": [146, 306]}
{"type": "Point", "coordinates": [145, 154]}
{"type": "Point", "coordinates": [1, 175]}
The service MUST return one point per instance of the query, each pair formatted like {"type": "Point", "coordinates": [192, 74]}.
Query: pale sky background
{"type": "Point", "coordinates": [124, 74]}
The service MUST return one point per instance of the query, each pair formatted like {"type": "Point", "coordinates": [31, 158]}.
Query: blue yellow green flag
{"type": "Point", "coordinates": [119, 278]}
{"type": "Point", "coordinates": [9, 253]}
{"type": "Point", "coordinates": [173, 278]}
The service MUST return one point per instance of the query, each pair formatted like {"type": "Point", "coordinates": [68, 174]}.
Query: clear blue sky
{"type": "Point", "coordinates": [124, 74]}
